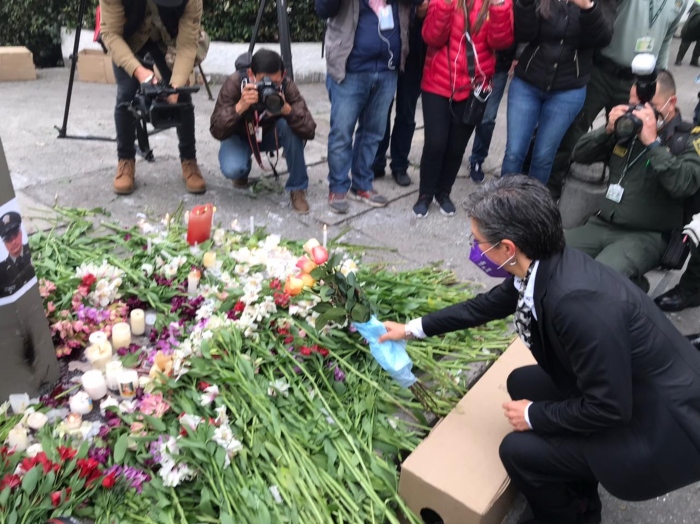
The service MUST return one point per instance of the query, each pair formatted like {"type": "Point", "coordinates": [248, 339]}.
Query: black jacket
{"type": "Point", "coordinates": [560, 48]}
{"type": "Point", "coordinates": [631, 380]}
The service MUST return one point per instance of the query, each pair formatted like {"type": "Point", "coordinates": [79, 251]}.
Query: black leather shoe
{"type": "Point", "coordinates": [678, 299]}
{"type": "Point", "coordinates": [694, 340]}
{"type": "Point", "coordinates": [378, 173]}
{"type": "Point", "coordinates": [401, 178]}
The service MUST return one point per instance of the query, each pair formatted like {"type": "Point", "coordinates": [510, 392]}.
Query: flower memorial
{"type": "Point", "coordinates": [253, 396]}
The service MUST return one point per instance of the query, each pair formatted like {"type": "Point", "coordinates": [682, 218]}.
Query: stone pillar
{"type": "Point", "coordinates": [26, 350]}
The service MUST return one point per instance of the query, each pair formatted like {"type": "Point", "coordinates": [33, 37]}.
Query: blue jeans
{"type": "Point", "coordinates": [361, 99]}
{"type": "Point", "coordinates": [235, 155]}
{"type": "Point", "coordinates": [484, 131]}
{"type": "Point", "coordinates": [551, 113]}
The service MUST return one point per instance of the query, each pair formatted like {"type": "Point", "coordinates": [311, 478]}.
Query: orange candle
{"type": "Point", "coordinates": [199, 225]}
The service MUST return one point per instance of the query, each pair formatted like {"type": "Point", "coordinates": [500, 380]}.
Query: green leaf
{"type": "Point", "coordinates": [31, 479]}
{"type": "Point", "coordinates": [360, 313]}
{"type": "Point", "coordinates": [46, 486]}
{"type": "Point", "coordinates": [225, 518]}
{"type": "Point", "coordinates": [83, 450]}
{"type": "Point", "coordinates": [4, 497]}
{"type": "Point", "coordinates": [156, 423]}
{"type": "Point", "coordinates": [120, 448]}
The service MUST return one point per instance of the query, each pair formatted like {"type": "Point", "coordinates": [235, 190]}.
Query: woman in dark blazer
{"type": "Point", "coordinates": [615, 395]}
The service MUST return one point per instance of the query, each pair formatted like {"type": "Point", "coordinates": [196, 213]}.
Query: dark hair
{"type": "Point", "coordinates": [520, 209]}
{"type": "Point", "coordinates": [266, 61]}
{"type": "Point", "coordinates": [666, 82]}
{"type": "Point", "coordinates": [546, 8]}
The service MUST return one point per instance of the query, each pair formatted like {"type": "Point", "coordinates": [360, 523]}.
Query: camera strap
{"type": "Point", "coordinates": [252, 126]}
{"type": "Point", "coordinates": [628, 164]}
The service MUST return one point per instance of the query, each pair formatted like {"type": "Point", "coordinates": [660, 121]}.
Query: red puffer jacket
{"type": "Point", "coordinates": [445, 22]}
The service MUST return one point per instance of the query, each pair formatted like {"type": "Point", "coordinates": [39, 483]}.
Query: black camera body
{"type": "Point", "coordinates": [151, 106]}
{"type": "Point", "coordinates": [629, 125]}
{"type": "Point", "coordinates": [270, 97]}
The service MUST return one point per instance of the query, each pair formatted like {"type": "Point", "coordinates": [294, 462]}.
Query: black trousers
{"type": "Point", "coordinates": [126, 90]}
{"type": "Point", "coordinates": [446, 139]}
{"type": "Point", "coordinates": [691, 276]}
{"type": "Point", "coordinates": [683, 49]}
{"type": "Point", "coordinates": [551, 472]}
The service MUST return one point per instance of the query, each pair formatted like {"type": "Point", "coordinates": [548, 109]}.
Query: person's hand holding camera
{"type": "Point", "coordinates": [648, 133]}
{"type": "Point", "coordinates": [145, 75]}
{"type": "Point", "coordinates": [615, 113]}
{"type": "Point", "coordinates": [249, 97]}
{"type": "Point", "coordinates": [582, 4]}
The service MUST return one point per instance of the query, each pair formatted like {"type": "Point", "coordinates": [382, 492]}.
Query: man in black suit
{"type": "Point", "coordinates": [615, 395]}
{"type": "Point", "coordinates": [16, 270]}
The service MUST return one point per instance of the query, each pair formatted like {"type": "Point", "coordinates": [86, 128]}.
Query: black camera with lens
{"type": "Point", "coordinates": [628, 125]}
{"type": "Point", "coordinates": [150, 105]}
{"type": "Point", "coordinates": [270, 97]}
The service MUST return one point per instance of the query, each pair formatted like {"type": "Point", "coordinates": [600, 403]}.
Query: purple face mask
{"type": "Point", "coordinates": [488, 266]}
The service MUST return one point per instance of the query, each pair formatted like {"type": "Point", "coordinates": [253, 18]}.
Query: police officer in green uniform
{"type": "Point", "coordinates": [640, 27]}
{"type": "Point", "coordinates": [651, 176]}
{"type": "Point", "coordinates": [16, 270]}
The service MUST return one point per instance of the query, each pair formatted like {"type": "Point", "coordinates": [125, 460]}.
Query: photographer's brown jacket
{"type": "Point", "coordinates": [122, 48]}
{"type": "Point", "coordinates": [225, 121]}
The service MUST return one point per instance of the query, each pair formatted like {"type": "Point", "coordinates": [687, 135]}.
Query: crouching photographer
{"type": "Point", "coordinates": [654, 164]}
{"type": "Point", "coordinates": [131, 30]}
{"type": "Point", "coordinates": [258, 110]}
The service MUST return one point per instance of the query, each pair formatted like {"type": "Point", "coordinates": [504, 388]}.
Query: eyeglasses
{"type": "Point", "coordinates": [474, 242]}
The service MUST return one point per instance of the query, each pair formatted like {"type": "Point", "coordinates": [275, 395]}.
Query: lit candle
{"type": "Point", "coordinates": [193, 281]}
{"type": "Point", "coordinates": [128, 382]}
{"type": "Point", "coordinates": [99, 355]}
{"type": "Point", "coordinates": [199, 224]}
{"type": "Point", "coordinates": [94, 384]}
{"type": "Point", "coordinates": [37, 420]}
{"type": "Point", "coordinates": [252, 225]}
{"type": "Point", "coordinates": [81, 403]}
{"type": "Point", "coordinates": [73, 421]}
{"type": "Point", "coordinates": [121, 335]}
{"type": "Point", "coordinates": [138, 322]}
{"type": "Point", "coordinates": [325, 235]}
{"type": "Point", "coordinates": [19, 402]}
{"type": "Point", "coordinates": [99, 338]}
{"type": "Point", "coordinates": [209, 259]}
{"type": "Point", "coordinates": [18, 439]}
{"type": "Point", "coordinates": [112, 371]}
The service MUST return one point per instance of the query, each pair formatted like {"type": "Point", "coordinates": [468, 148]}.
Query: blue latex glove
{"type": "Point", "coordinates": [391, 355]}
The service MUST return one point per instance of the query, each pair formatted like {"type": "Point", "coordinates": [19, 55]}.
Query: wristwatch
{"type": "Point", "coordinates": [408, 334]}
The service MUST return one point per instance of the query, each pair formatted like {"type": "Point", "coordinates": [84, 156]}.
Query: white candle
{"type": "Point", "coordinates": [252, 225]}
{"type": "Point", "coordinates": [37, 420]}
{"type": "Point", "coordinates": [19, 403]}
{"type": "Point", "coordinates": [325, 235]}
{"type": "Point", "coordinates": [81, 403]}
{"type": "Point", "coordinates": [112, 371]}
{"type": "Point", "coordinates": [128, 382]}
{"type": "Point", "coordinates": [138, 322]}
{"type": "Point", "coordinates": [209, 259]}
{"type": "Point", "coordinates": [99, 338]}
{"type": "Point", "coordinates": [94, 384]}
{"type": "Point", "coordinates": [151, 318]}
{"type": "Point", "coordinates": [99, 355]}
{"type": "Point", "coordinates": [73, 421]}
{"type": "Point", "coordinates": [148, 246]}
{"type": "Point", "coordinates": [18, 439]}
{"type": "Point", "coordinates": [193, 281]}
{"type": "Point", "coordinates": [121, 335]}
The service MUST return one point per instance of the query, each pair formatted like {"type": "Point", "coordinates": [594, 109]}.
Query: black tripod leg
{"type": "Point", "coordinates": [206, 82]}
{"type": "Point", "coordinates": [142, 137]}
{"type": "Point", "coordinates": [285, 39]}
{"type": "Point", "coordinates": [76, 46]}
{"type": "Point", "coordinates": [258, 23]}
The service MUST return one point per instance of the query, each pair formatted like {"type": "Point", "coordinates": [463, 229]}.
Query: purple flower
{"type": "Point", "coordinates": [134, 477]}
{"type": "Point", "coordinates": [127, 237]}
{"type": "Point", "coordinates": [101, 455]}
{"type": "Point", "coordinates": [154, 449]}
{"type": "Point", "coordinates": [162, 281]}
{"type": "Point", "coordinates": [338, 375]}
{"type": "Point", "coordinates": [135, 303]}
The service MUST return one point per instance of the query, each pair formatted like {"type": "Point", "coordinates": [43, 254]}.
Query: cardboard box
{"type": "Point", "coordinates": [95, 66]}
{"type": "Point", "coordinates": [16, 63]}
{"type": "Point", "coordinates": [455, 474]}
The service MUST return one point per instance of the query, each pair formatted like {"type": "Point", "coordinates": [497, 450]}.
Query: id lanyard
{"type": "Point", "coordinates": [629, 165]}
{"type": "Point", "coordinates": [654, 16]}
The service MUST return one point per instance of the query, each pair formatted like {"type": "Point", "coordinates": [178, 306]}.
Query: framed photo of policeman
{"type": "Point", "coordinates": [16, 270]}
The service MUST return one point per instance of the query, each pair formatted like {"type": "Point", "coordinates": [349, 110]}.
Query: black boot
{"type": "Point", "coordinates": [694, 340]}
{"type": "Point", "coordinates": [678, 299]}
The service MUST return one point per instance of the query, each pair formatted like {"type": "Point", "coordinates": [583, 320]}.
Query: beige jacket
{"type": "Point", "coordinates": [122, 51]}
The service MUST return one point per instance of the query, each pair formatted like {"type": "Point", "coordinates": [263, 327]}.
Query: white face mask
{"type": "Point", "coordinates": [661, 122]}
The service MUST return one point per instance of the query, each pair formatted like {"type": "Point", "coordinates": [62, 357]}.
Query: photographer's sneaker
{"type": "Point", "coordinates": [420, 209]}
{"type": "Point", "coordinates": [446, 206]}
{"type": "Point", "coordinates": [476, 173]}
{"type": "Point", "coordinates": [338, 203]}
{"type": "Point", "coordinates": [370, 197]}
{"type": "Point", "coordinates": [193, 177]}
{"type": "Point", "coordinates": [299, 203]}
{"type": "Point", "coordinates": [124, 180]}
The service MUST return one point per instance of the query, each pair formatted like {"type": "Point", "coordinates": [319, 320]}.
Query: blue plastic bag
{"type": "Point", "coordinates": [391, 355]}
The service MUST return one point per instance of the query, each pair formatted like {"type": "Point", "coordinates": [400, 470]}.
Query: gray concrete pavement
{"type": "Point", "coordinates": [46, 170]}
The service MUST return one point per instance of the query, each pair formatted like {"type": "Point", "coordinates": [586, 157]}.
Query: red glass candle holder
{"type": "Point", "coordinates": [199, 225]}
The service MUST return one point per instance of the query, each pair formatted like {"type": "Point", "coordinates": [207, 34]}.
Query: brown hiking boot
{"type": "Point", "coordinates": [299, 203]}
{"type": "Point", "coordinates": [124, 180]}
{"type": "Point", "coordinates": [193, 177]}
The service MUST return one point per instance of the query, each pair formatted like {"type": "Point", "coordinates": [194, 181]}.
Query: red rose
{"type": "Point", "coordinates": [275, 283]}
{"type": "Point", "coordinates": [203, 385]}
{"type": "Point", "coordinates": [88, 468]}
{"type": "Point", "coordinates": [56, 498]}
{"type": "Point", "coordinates": [88, 280]}
{"type": "Point", "coordinates": [10, 481]}
{"type": "Point", "coordinates": [109, 480]}
{"type": "Point", "coordinates": [305, 351]}
{"type": "Point", "coordinates": [66, 453]}
{"type": "Point", "coordinates": [324, 352]}
{"type": "Point", "coordinates": [239, 307]}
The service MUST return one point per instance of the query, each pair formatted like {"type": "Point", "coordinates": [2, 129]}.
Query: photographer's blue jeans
{"type": "Point", "coordinates": [127, 86]}
{"type": "Point", "coordinates": [361, 100]}
{"type": "Point", "coordinates": [235, 155]}
{"type": "Point", "coordinates": [551, 112]}
{"type": "Point", "coordinates": [484, 131]}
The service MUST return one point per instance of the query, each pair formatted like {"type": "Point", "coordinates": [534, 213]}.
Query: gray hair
{"type": "Point", "coordinates": [520, 209]}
